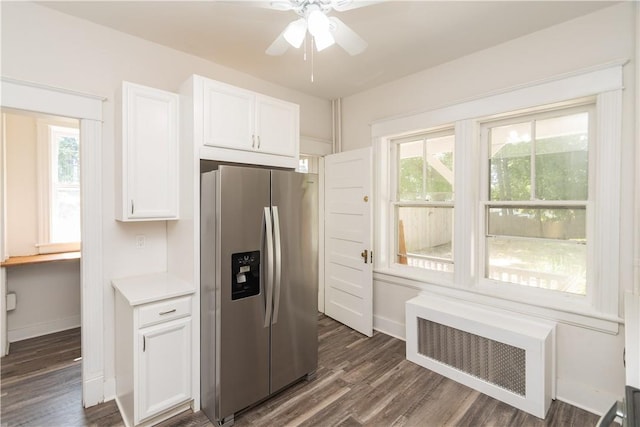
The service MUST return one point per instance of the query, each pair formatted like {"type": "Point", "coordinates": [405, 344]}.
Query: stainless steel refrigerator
{"type": "Point", "coordinates": [259, 285]}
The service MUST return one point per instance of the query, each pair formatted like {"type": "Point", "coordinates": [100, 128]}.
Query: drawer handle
{"type": "Point", "coordinates": [162, 313]}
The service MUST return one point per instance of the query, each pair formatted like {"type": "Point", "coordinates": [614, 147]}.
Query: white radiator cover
{"type": "Point", "coordinates": [507, 356]}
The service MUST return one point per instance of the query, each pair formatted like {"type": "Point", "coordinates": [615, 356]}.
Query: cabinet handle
{"type": "Point", "coordinates": [132, 207]}
{"type": "Point", "coordinates": [144, 343]}
{"type": "Point", "coordinates": [258, 141]}
{"type": "Point", "coordinates": [162, 313]}
{"type": "Point", "coordinates": [253, 141]}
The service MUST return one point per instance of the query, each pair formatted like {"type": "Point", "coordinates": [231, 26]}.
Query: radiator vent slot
{"type": "Point", "coordinates": [497, 363]}
{"type": "Point", "coordinates": [505, 355]}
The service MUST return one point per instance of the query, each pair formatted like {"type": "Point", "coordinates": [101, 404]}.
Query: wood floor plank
{"type": "Point", "coordinates": [360, 381]}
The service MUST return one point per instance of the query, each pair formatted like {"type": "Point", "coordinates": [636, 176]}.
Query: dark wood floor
{"type": "Point", "coordinates": [360, 381]}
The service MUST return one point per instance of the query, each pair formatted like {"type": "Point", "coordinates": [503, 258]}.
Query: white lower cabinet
{"type": "Point", "coordinates": [153, 343]}
{"type": "Point", "coordinates": [164, 367]}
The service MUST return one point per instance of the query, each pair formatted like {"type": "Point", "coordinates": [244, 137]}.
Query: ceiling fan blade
{"type": "Point", "coordinates": [279, 46]}
{"type": "Point", "coordinates": [281, 5]}
{"type": "Point", "coordinates": [346, 38]}
{"type": "Point", "coordinates": [342, 5]}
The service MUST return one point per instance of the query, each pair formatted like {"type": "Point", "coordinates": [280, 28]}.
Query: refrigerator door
{"type": "Point", "coordinates": [294, 337]}
{"type": "Point", "coordinates": [208, 270]}
{"type": "Point", "coordinates": [242, 344]}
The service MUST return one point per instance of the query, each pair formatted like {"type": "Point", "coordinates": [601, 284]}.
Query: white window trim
{"type": "Point", "coordinates": [44, 246]}
{"type": "Point", "coordinates": [606, 85]}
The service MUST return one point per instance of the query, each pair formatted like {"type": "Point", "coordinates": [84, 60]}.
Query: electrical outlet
{"type": "Point", "coordinates": [140, 241]}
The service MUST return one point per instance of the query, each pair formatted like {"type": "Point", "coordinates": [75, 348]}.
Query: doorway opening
{"type": "Point", "coordinates": [42, 234]}
{"type": "Point", "coordinates": [87, 108]}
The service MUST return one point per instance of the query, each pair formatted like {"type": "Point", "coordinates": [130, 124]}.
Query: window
{"type": "Point", "coordinates": [307, 164]}
{"type": "Point", "coordinates": [423, 202]}
{"type": "Point", "coordinates": [59, 182]}
{"type": "Point", "coordinates": [538, 218]}
{"type": "Point", "coordinates": [537, 194]}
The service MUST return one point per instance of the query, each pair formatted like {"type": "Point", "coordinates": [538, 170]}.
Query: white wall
{"type": "Point", "coordinates": [48, 298]}
{"type": "Point", "coordinates": [21, 187]}
{"type": "Point", "coordinates": [590, 371]}
{"type": "Point", "coordinates": [47, 47]}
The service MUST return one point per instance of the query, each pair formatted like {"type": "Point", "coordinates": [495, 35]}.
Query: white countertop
{"type": "Point", "coordinates": [151, 287]}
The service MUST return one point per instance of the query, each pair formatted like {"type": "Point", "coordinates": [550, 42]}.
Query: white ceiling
{"type": "Point", "coordinates": [404, 36]}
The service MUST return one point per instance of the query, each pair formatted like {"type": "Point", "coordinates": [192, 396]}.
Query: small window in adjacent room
{"type": "Point", "coordinates": [537, 200]}
{"type": "Point", "coordinates": [424, 200]}
{"type": "Point", "coordinates": [59, 150]}
{"type": "Point", "coordinates": [308, 164]}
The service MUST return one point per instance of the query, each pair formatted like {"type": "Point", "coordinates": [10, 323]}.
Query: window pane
{"type": "Point", "coordinates": [65, 215]}
{"type": "Point", "coordinates": [510, 162]}
{"type": "Point", "coordinates": [303, 165]}
{"type": "Point", "coordinates": [439, 180]}
{"type": "Point", "coordinates": [556, 223]}
{"type": "Point", "coordinates": [425, 236]}
{"type": "Point", "coordinates": [562, 158]}
{"type": "Point", "coordinates": [537, 263]}
{"type": "Point", "coordinates": [410, 168]}
{"type": "Point", "coordinates": [68, 160]}
{"type": "Point", "coordinates": [64, 221]}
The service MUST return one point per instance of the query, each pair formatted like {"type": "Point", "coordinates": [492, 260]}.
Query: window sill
{"type": "Point", "coordinates": [54, 248]}
{"type": "Point", "coordinates": [582, 318]}
{"type": "Point", "coordinates": [39, 259]}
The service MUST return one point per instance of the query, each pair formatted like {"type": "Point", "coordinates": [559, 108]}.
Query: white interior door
{"type": "Point", "coordinates": [348, 258]}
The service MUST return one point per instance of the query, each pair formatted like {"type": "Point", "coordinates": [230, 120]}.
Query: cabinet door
{"type": "Point", "coordinates": [164, 367]}
{"type": "Point", "coordinates": [277, 126]}
{"type": "Point", "coordinates": [150, 133]}
{"type": "Point", "coordinates": [229, 116]}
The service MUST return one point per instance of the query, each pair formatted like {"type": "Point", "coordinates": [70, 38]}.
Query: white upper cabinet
{"type": "Point", "coordinates": [147, 154]}
{"type": "Point", "coordinates": [277, 126]}
{"type": "Point", "coordinates": [229, 117]}
{"type": "Point", "coordinates": [237, 125]}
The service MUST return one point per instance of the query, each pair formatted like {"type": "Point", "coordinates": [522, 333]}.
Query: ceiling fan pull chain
{"type": "Point", "coordinates": [312, 42]}
{"type": "Point", "coordinates": [304, 56]}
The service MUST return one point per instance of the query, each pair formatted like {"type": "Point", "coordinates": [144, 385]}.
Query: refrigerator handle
{"type": "Point", "coordinates": [269, 267]}
{"type": "Point", "coordinates": [278, 263]}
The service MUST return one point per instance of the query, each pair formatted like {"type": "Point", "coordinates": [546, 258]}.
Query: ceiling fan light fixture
{"type": "Point", "coordinates": [317, 21]}
{"type": "Point", "coordinates": [323, 40]}
{"type": "Point", "coordinates": [325, 31]}
{"type": "Point", "coordinates": [295, 32]}
{"type": "Point", "coordinates": [319, 27]}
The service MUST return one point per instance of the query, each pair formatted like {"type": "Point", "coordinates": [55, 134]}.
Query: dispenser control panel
{"type": "Point", "coordinates": [245, 274]}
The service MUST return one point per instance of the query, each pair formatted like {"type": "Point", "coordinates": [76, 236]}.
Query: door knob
{"type": "Point", "coordinates": [365, 255]}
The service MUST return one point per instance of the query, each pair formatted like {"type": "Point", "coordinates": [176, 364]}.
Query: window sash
{"type": "Point", "coordinates": [486, 203]}
{"type": "Point", "coordinates": [426, 264]}
{"type": "Point", "coordinates": [49, 134]}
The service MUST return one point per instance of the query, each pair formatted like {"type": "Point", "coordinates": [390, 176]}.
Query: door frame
{"type": "Point", "coordinates": [87, 109]}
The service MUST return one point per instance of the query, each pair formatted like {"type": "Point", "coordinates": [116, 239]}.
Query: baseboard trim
{"type": "Point", "coordinates": [109, 389]}
{"type": "Point", "coordinates": [389, 327]}
{"type": "Point", "coordinates": [93, 391]}
{"type": "Point", "coordinates": [584, 397]}
{"type": "Point", "coordinates": [44, 328]}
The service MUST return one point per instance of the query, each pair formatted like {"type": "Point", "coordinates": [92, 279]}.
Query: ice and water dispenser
{"type": "Point", "coordinates": [245, 274]}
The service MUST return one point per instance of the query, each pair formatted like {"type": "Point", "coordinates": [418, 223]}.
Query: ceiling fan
{"type": "Point", "coordinates": [324, 30]}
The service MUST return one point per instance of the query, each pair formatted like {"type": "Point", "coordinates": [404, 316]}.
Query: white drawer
{"type": "Point", "coordinates": [163, 311]}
